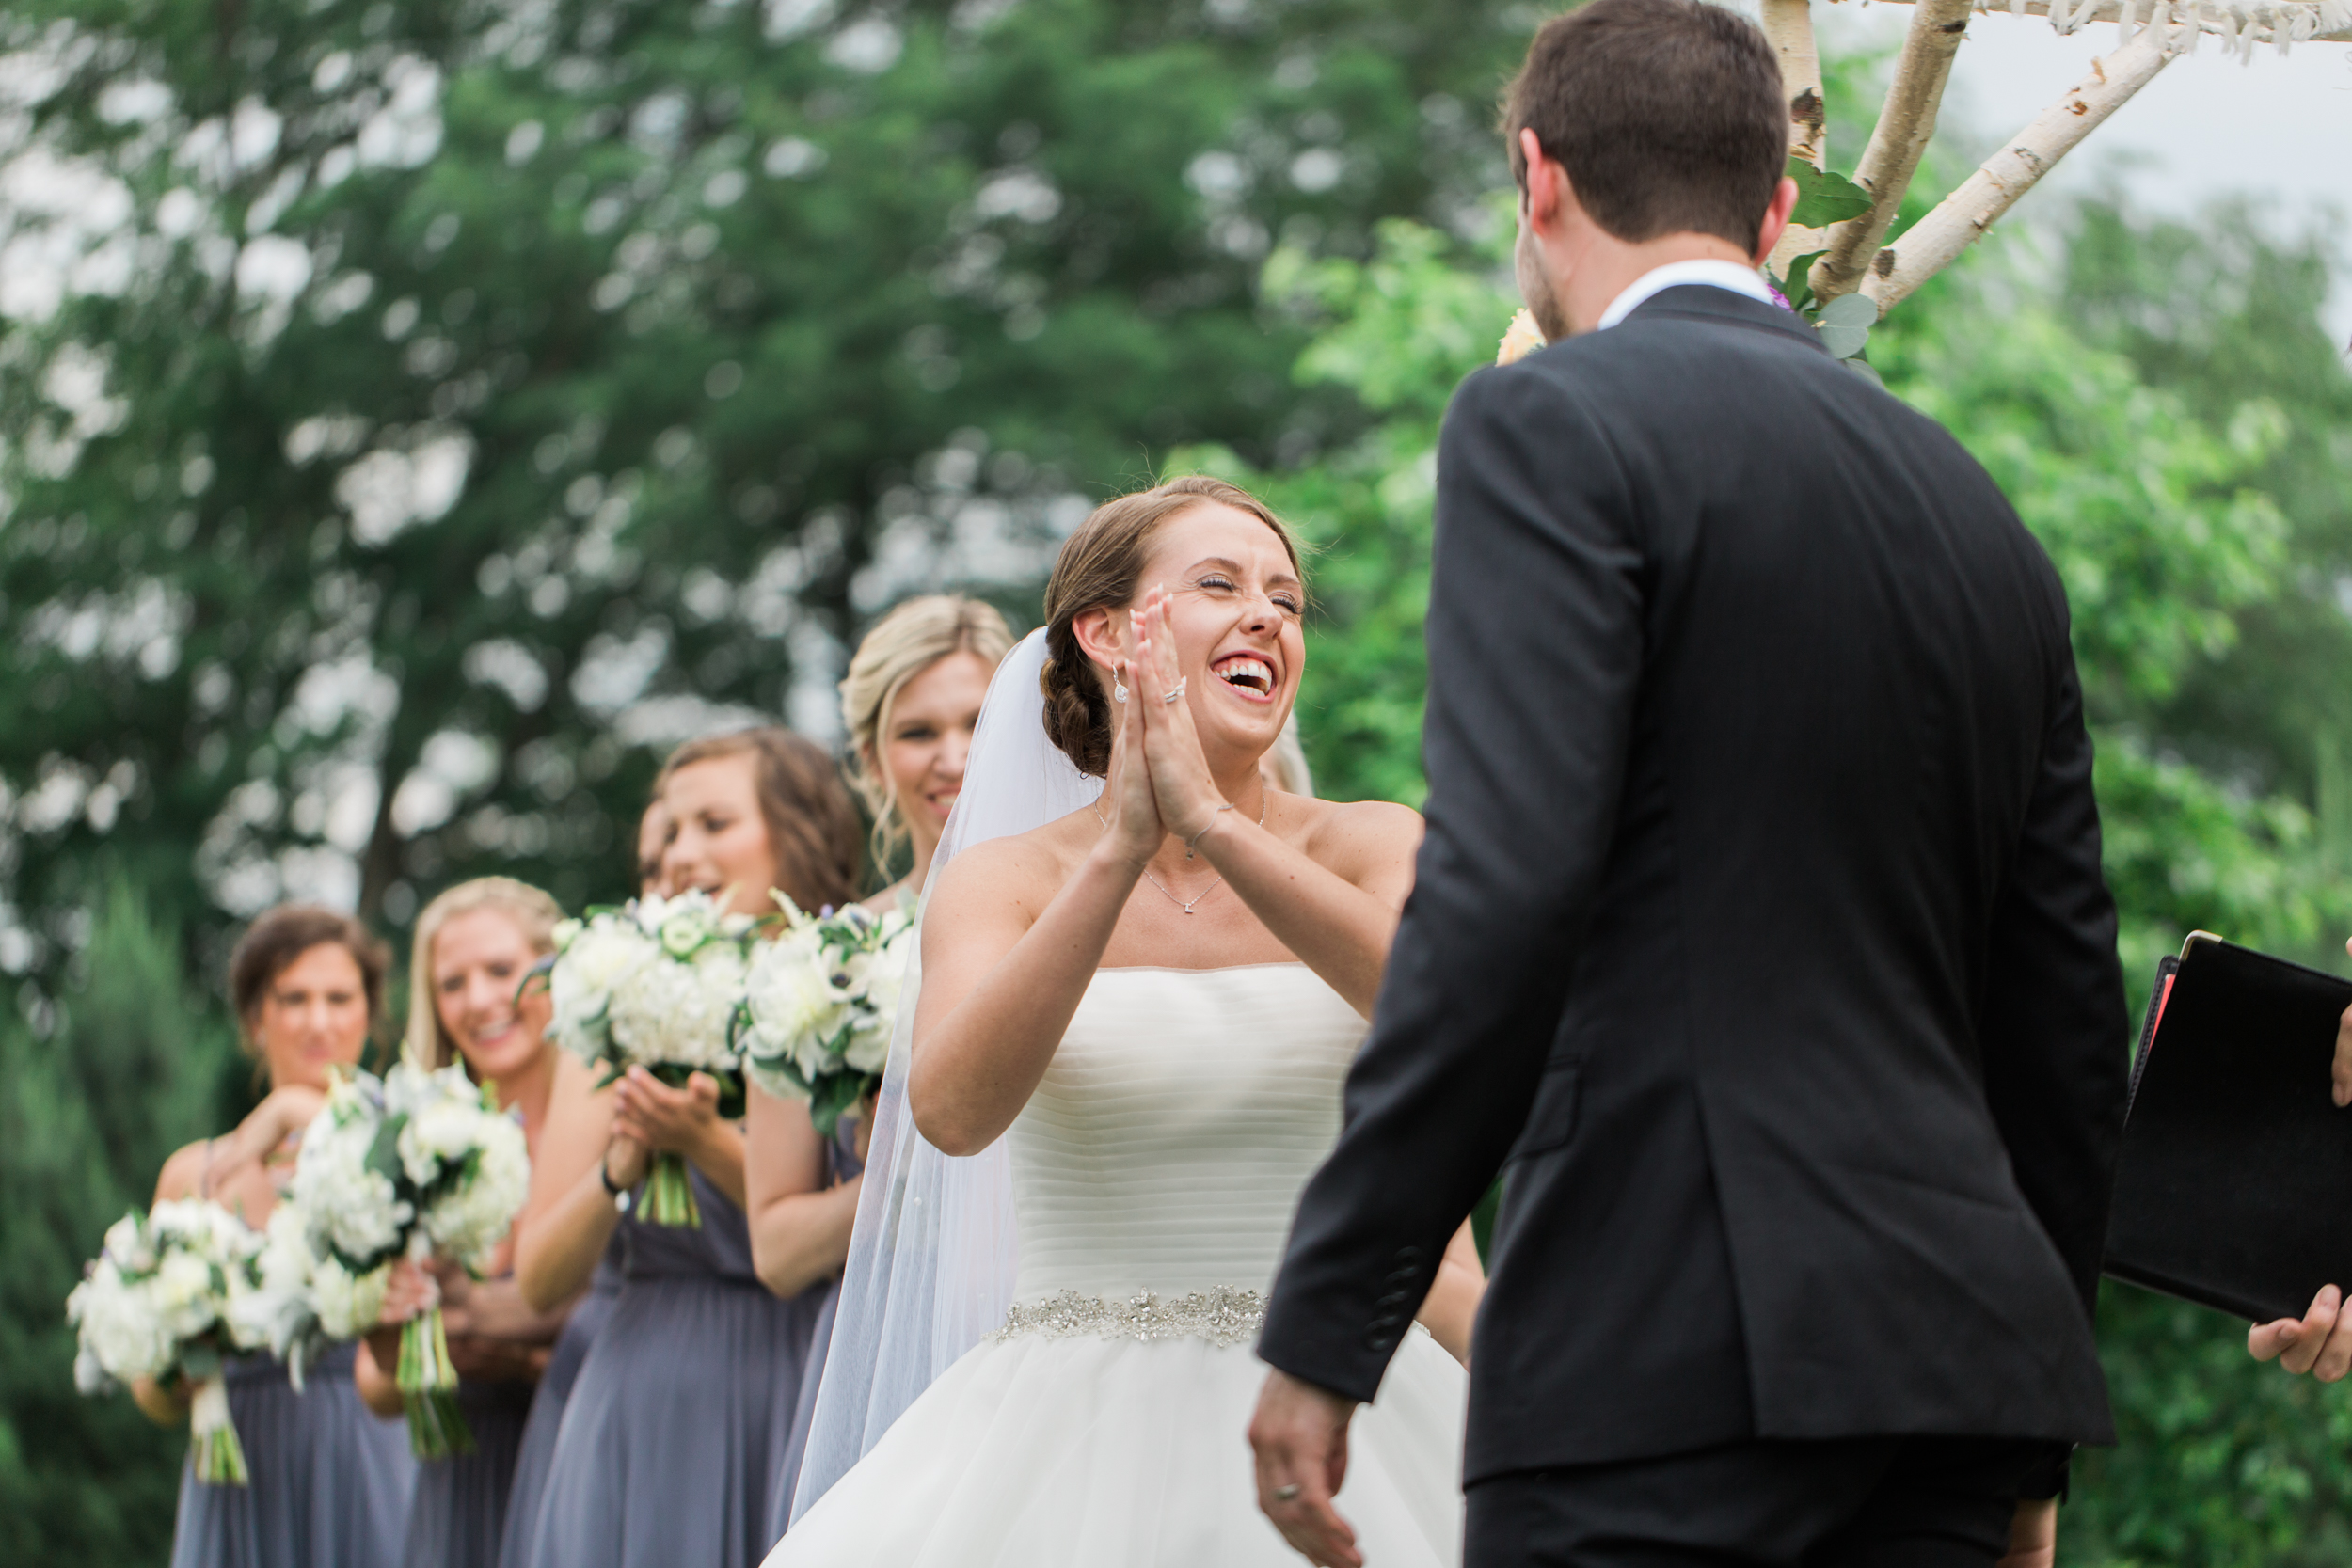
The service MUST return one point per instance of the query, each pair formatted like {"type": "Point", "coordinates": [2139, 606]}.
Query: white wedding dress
{"type": "Point", "coordinates": [1154, 1174]}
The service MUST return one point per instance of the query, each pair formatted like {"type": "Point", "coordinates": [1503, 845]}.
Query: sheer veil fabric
{"type": "Point", "coordinates": [935, 1252]}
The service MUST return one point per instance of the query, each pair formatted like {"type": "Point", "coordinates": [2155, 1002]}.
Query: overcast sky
{"type": "Point", "coordinates": [2206, 126]}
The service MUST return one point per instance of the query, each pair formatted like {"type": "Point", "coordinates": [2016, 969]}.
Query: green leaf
{"type": "Point", "coordinates": [384, 1153]}
{"type": "Point", "coordinates": [1824, 198]}
{"type": "Point", "coordinates": [835, 1094]}
{"type": "Point", "coordinates": [1797, 288]}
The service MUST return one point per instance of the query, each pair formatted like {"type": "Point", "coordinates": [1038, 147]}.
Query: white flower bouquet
{"type": "Point", "coordinates": [819, 1005]}
{"type": "Point", "coordinates": [173, 1294]}
{"type": "Point", "coordinates": [418, 1164]}
{"type": "Point", "coordinates": [657, 984]}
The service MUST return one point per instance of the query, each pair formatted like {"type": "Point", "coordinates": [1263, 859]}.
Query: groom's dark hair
{"type": "Point", "coordinates": [1667, 116]}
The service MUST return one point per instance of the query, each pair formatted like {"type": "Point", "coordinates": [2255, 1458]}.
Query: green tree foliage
{"type": "Point", "coordinates": [131, 1064]}
{"type": "Point", "coordinates": [450, 407]}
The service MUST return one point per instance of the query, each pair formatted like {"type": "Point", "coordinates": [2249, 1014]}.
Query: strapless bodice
{"type": "Point", "coordinates": [1166, 1147]}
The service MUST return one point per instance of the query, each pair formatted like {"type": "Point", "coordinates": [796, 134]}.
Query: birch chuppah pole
{"type": "Point", "coordinates": [2150, 33]}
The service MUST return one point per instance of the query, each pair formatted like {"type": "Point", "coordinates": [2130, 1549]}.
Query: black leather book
{"type": "Point", "coordinates": [2234, 1189]}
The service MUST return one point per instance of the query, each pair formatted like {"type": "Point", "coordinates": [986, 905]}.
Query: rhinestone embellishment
{"type": "Point", "coordinates": [1223, 1315]}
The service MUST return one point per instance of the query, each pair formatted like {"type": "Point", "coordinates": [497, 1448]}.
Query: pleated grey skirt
{"type": "Point", "coordinates": [537, 1457]}
{"type": "Point", "coordinates": [458, 1518]}
{"type": "Point", "coordinates": [674, 1439]}
{"type": "Point", "coordinates": [331, 1482]}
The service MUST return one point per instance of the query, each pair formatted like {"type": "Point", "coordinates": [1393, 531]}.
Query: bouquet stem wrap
{"type": "Point", "coordinates": [670, 1194]}
{"type": "Point", "coordinates": [214, 1450]}
{"type": "Point", "coordinates": [428, 1382]}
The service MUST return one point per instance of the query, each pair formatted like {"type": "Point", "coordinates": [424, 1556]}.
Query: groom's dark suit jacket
{"type": "Point", "coordinates": [1759, 938]}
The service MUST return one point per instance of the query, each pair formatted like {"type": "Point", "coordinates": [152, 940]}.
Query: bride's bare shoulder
{"type": "Point", "coordinates": [1378, 828]}
{"type": "Point", "coordinates": [1022, 871]}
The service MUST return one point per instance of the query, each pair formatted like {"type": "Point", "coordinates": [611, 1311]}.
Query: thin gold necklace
{"type": "Point", "coordinates": [1155, 881]}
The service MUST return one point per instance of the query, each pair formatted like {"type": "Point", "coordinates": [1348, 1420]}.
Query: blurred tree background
{"type": "Point", "coordinates": [418, 417]}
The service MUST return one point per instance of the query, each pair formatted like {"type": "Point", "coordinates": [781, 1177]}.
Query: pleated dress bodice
{"type": "Point", "coordinates": [1167, 1146]}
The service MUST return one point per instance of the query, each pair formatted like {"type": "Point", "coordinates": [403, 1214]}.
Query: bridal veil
{"type": "Point", "coordinates": [935, 1252]}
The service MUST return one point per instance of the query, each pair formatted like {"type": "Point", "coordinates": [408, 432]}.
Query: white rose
{"type": "Point", "coordinates": [792, 1000]}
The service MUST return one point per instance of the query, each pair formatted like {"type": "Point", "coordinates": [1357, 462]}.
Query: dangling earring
{"type": "Point", "coordinates": [1119, 684]}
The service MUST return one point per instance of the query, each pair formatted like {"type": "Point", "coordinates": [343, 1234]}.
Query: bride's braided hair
{"type": "Point", "coordinates": [1102, 563]}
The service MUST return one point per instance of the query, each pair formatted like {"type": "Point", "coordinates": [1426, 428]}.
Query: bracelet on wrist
{"type": "Point", "coordinates": [1194, 842]}
{"type": "Point", "coordinates": [619, 1194]}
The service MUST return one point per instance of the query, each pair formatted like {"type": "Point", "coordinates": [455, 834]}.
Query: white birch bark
{"type": "Point", "coordinates": [1931, 244]}
{"type": "Point", "coordinates": [1788, 26]}
{"type": "Point", "coordinates": [1905, 125]}
{"type": "Point", "coordinates": [2132, 13]}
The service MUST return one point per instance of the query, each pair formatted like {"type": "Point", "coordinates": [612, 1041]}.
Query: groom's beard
{"type": "Point", "coordinates": [1526, 266]}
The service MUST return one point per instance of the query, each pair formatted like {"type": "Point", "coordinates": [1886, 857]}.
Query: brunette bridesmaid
{"type": "Point", "coordinates": [330, 1482]}
{"type": "Point", "coordinates": [673, 1437]}
{"type": "Point", "coordinates": [909, 704]}
{"type": "Point", "coordinates": [474, 947]}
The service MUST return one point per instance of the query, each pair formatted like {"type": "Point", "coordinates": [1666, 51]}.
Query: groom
{"type": "Point", "coordinates": [1759, 940]}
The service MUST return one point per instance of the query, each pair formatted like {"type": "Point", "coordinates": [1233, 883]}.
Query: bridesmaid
{"type": "Point", "coordinates": [588, 1313]}
{"type": "Point", "coordinates": [474, 946]}
{"type": "Point", "coordinates": [909, 704]}
{"type": "Point", "coordinates": [672, 1436]}
{"type": "Point", "coordinates": [330, 1482]}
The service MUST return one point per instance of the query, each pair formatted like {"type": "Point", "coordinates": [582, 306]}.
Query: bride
{"type": "Point", "coordinates": [1137, 1014]}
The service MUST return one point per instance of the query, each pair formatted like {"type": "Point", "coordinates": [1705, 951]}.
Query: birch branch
{"type": "Point", "coordinates": [1931, 244]}
{"type": "Point", "coordinates": [2077, 16]}
{"type": "Point", "coordinates": [1904, 127]}
{"type": "Point", "coordinates": [1788, 26]}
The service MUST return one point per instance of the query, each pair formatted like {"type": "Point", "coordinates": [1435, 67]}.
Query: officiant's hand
{"type": "Point", "coordinates": [1300, 1435]}
{"type": "Point", "coordinates": [2320, 1342]}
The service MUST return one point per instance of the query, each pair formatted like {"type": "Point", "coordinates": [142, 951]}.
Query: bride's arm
{"type": "Point", "coordinates": [1007, 957]}
{"type": "Point", "coordinates": [1337, 908]}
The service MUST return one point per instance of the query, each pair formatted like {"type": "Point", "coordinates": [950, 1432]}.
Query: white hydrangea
{"type": "Point", "coordinates": [348, 1304]}
{"type": "Point", "coordinates": [601, 955]}
{"type": "Point", "coordinates": [165, 1283]}
{"type": "Point", "coordinates": [353, 1204]}
{"type": "Point", "coordinates": [467, 1159]}
{"type": "Point", "coordinates": [680, 1013]}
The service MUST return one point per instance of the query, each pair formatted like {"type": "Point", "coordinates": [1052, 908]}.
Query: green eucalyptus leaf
{"type": "Point", "coordinates": [1851, 310]}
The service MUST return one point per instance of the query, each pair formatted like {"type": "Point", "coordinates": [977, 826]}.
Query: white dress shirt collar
{"type": "Point", "coordinates": [1674, 275]}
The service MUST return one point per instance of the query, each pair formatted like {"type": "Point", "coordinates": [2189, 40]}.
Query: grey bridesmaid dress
{"type": "Point", "coordinates": [459, 1514]}
{"type": "Point", "coordinates": [674, 1437]}
{"type": "Point", "coordinates": [841, 1164]}
{"type": "Point", "coordinates": [546, 1406]}
{"type": "Point", "coordinates": [330, 1482]}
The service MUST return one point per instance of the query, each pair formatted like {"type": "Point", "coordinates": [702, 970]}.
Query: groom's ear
{"type": "Point", "coordinates": [1102, 633]}
{"type": "Point", "coordinates": [1776, 222]}
{"type": "Point", "coordinates": [1543, 186]}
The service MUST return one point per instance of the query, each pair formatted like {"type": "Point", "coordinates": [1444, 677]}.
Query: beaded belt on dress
{"type": "Point", "coordinates": [1223, 1315]}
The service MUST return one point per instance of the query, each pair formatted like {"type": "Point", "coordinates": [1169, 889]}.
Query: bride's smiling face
{"type": "Point", "coordinates": [1235, 603]}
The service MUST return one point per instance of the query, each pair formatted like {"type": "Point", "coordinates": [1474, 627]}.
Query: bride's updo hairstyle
{"type": "Point", "coordinates": [1102, 564]}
